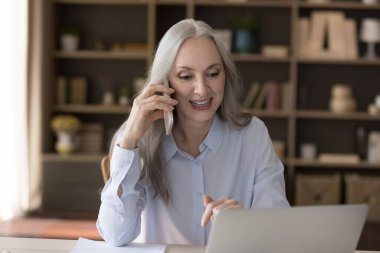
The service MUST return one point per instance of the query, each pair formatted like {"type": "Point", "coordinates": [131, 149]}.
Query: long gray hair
{"type": "Point", "coordinates": [152, 166]}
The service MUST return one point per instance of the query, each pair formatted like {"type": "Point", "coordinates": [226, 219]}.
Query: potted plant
{"type": "Point", "coordinates": [245, 39]}
{"type": "Point", "coordinates": [69, 38]}
{"type": "Point", "coordinates": [124, 97]}
{"type": "Point", "coordinates": [65, 127]}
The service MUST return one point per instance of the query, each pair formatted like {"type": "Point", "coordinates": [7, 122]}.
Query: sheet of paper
{"type": "Point", "coordinates": [89, 246]}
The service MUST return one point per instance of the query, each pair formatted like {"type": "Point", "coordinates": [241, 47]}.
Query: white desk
{"type": "Point", "coordinates": [33, 245]}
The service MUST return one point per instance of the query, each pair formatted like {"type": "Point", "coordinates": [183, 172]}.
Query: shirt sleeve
{"type": "Point", "coordinates": [269, 183]}
{"type": "Point", "coordinates": [119, 218]}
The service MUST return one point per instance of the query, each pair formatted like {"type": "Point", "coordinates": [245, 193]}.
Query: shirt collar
{"type": "Point", "coordinates": [213, 140]}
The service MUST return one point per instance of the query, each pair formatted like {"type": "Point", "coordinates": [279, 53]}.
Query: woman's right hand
{"type": "Point", "coordinates": [147, 107]}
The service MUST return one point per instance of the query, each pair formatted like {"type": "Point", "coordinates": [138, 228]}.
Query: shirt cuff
{"type": "Point", "coordinates": [125, 171]}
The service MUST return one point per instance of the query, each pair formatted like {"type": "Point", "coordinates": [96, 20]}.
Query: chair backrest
{"type": "Point", "coordinates": [105, 166]}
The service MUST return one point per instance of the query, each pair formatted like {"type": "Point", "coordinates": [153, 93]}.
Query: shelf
{"type": "Point", "coordinates": [247, 3]}
{"type": "Point", "coordinates": [93, 109]}
{"type": "Point", "coordinates": [171, 2]}
{"type": "Point", "coordinates": [340, 5]}
{"type": "Point", "coordinates": [102, 55]}
{"type": "Point", "coordinates": [269, 114]}
{"type": "Point", "coordinates": [360, 61]}
{"type": "Point", "coordinates": [54, 157]}
{"type": "Point", "coordinates": [259, 58]}
{"type": "Point", "coordinates": [317, 164]}
{"type": "Point", "coordinates": [105, 2]}
{"type": "Point", "coordinates": [316, 114]}
{"type": "Point", "coordinates": [292, 126]}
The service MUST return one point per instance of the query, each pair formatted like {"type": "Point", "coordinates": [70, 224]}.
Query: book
{"type": "Point", "coordinates": [260, 100]}
{"type": "Point", "coordinates": [339, 158]}
{"type": "Point", "coordinates": [286, 96]}
{"type": "Point", "coordinates": [62, 90]}
{"type": "Point", "coordinates": [252, 94]}
{"type": "Point", "coordinates": [273, 96]}
{"type": "Point", "coordinates": [78, 90]}
{"type": "Point", "coordinates": [275, 51]}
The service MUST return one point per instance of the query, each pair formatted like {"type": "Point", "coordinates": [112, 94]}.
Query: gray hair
{"type": "Point", "coordinates": [149, 146]}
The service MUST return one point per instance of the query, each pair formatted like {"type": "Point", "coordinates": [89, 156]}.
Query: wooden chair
{"type": "Point", "coordinates": [105, 166]}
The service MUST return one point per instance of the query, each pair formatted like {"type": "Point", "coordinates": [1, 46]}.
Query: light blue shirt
{"type": "Point", "coordinates": [234, 163]}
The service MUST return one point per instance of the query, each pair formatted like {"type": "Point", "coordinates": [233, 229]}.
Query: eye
{"type": "Point", "coordinates": [213, 74]}
{"type": "Point", "coordinates": [185, 77]}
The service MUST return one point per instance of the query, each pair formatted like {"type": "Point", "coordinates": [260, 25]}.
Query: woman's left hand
{"type": "Point", "coordinates": [214, 207]}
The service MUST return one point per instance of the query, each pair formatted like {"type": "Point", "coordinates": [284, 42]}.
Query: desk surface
{"type": "Point", "coordinates": [34, 245]}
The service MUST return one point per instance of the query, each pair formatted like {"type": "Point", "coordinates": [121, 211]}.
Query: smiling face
{"type": "Point", "coordinates": [198, 78]}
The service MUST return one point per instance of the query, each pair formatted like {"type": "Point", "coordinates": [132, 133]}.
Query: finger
{"type": "Point", "coordinates": [156, 88]}
{"type": "Point", "coordinates": [156, 102]}
{"type": "Point", "coordinates": [224, 206]}
{"type": "Point", "coordinates": [161, 99]}
{"type": "Point", "coordinates": [215, 207]}
{"type": "Point", "coordinates": [209, 211]}
{"type": "Point", "coordinates": [207, 199]}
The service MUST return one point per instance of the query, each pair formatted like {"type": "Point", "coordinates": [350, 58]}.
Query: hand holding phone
{"type": "Point", "coordinates": [168, 116]}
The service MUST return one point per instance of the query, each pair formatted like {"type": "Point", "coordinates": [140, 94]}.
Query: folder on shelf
{"type": "Point", "coordinates": [303, 36]}
{"type": "Point", "coordinates": [331, 36]}
{"type": "Point", "coordinates": [351, 39]}
{"type": "Point", "coordinates": [317, 33]}
{"type": "Point", "coordinates": [336, 35]}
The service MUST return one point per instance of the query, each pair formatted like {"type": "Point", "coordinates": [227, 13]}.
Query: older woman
{"type": "Point", "coordinates": [167, 188]}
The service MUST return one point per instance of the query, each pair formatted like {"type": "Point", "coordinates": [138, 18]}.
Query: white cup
{"type": "Point", "coordinates": [308, 151]}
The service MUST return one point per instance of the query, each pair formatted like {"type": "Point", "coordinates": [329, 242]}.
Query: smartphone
{"type": "Point", "coordinates": [168, 116]}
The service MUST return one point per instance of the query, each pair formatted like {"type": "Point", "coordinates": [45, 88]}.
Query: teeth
{"type": "Point", "coordinates": [203, 102]}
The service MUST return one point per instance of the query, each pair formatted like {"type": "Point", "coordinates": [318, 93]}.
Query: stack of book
{"type": "Point", "coordinates": [91, 138]}
{"type": "Point", "coordinates": [327, 35]}
{"type": "Point", "coordinates": [271, 95]}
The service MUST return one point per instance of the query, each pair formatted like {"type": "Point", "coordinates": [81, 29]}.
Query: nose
{"type": "Point", "coordinates": [200, 87]}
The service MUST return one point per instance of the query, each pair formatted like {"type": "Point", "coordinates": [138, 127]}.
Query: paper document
{"type": "Point", "coordinates": [89, 246]}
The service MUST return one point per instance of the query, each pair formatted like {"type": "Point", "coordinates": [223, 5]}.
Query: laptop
{"type": "Point", "coordinates": [311, 229]}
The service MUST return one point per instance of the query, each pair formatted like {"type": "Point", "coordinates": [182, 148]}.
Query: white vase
{"type": "Point", "coordinates": [373, 147]}
{"type": "Point", "coordinates": [65, 143]}
{"type": "Point", "coordinates": [69, 42]}
{"type": "Point", "coordinates": [108, 98]}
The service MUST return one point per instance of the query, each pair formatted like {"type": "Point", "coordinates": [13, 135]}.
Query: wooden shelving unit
{"type": "Point", "coordinates": [277, 25]}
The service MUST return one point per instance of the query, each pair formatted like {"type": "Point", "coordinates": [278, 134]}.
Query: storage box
{"type": "Point", "coordinates": [364, 189]}
{"type": "Point", "coordinates": [318, 189]}
{"type": "Point", "coordinates": [91, 139]}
